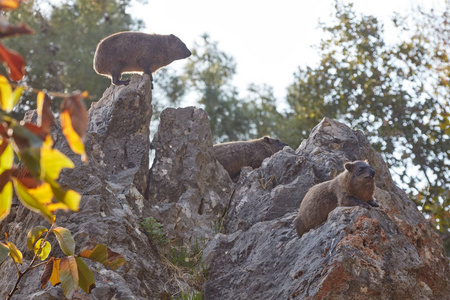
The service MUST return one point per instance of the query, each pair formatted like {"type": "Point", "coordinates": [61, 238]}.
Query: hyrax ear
{"type": "Point", "coordinates": [349, 166]}
{"type": "Point", "coordinates": [267, 140]}
{"type": "Point", "coordinates": [172, 38]}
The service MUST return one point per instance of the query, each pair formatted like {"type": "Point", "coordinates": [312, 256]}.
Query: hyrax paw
{"type": "Point", "coordinates": [374, 203]}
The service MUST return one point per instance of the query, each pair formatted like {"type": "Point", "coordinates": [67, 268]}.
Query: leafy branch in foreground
{"type": "Point", "coordinates": [35, 178]}
{"type": "Point", "coordinates": [70, 271]}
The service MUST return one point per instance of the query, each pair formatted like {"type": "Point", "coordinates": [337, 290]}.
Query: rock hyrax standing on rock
{"type": "Point", "coordinates": [354, 187]}
{"type": "Point", "coordinates": [233, 156]}
{"type": "Point", "coordinates": [130, 52]}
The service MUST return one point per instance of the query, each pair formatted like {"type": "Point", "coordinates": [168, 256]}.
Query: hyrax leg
{"type": "Point", "coordinates": [116, 74]}
{"type": "Point", "coordinates": [353, 201]}
{"type": "Point", "coordinates": [149, 73]}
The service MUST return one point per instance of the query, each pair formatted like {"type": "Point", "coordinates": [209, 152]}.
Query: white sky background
{"type": "Point", "coordinates": [268, 39]}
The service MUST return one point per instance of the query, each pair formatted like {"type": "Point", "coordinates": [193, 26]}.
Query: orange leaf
{"type": "Point", "coordinates": [9, 4]}
{"type": "Point", "coordinates": [74, 105]}
{"type": "Point", "coordinates": [14, 61]}
{"type": "Point", "coordinates": [51, 272]}
{"type": "Point", "coordinates": [74, 123]}
{"type": "Point", "coordinates": [44, 109]}
{"type": "Point", "coordinates": [105, 256]}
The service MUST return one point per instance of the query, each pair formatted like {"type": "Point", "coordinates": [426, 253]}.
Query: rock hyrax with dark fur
{"type": "Point", "coordinates": [131, 52]}
{"type": "Point", "coordinates": [233, 156]}
{"type": "Point", "coordinates": [353, 187]}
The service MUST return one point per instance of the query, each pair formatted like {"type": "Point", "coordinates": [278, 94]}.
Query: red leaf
{"type": "Point", "coordinates": [14, 61]}
{"type": "Point", "coordinates": [4, 179]}
{"type": "Point", "coordinates": [24, 176]}
{"type": "Point", "coordinates": [8, 30]}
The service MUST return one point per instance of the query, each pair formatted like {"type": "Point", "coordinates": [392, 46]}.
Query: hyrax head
{"type": "Point", "coordinates": [361, 172]}
{"type": "Point", "coordinates": [275, 144]}
{"type": "Point", "coordinates": [179, 48]}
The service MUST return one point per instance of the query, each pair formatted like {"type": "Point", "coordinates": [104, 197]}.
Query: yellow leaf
{"type": "Point", "coordinates": [42, 193]}
{"type": "Point", "coordinates": [34, 234]}
{"type": "Point", "coordinates": [6, 156]}
{"type": "Point", "coordinates": [14, 253]}
{"type": "Point", "coordinates": [5, 200]}
{"type": "Point", "coordinates": [65, 199]}
{"type": "Point", "coordinates": [52, 162]}
{"type": "Point", "coordinates": [72, 200]}
{"type": "Point", "coordinates": [15, 97]}
{"type": "Point", "coordinates": [28, 198]}
{"type": "Point", "coordinates": [43, 250]}
{"type": "Point", "coordinates": [5, 94]}
{"type": "Point", "coordinates": [48, 142]}
{"type": "Point", "coordinates": [54, 279]}
{"type": "Point", "coordinates": [72, 137]}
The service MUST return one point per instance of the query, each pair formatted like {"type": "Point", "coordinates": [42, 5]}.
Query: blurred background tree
{"type": "Point", "coordinates": [61, 51]}
{"type": "Point", "coordinates": [208, 74]}
{"type": "Point", "coordinates": [398, 93]}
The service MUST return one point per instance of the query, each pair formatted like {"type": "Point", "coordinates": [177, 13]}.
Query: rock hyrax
{"type": "Point", "coordinates": [353, 187]}
{"type": "Point", "coordinates": [131, 52]}
{"type": "Point", "coordinates": [233, 156]}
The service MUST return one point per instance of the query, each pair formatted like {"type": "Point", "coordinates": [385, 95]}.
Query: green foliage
{"type": "Point", "coordinates": [154, 230]}
{"type": "Point", "coordinates": [195, 295]}
{"type": "Point", "coordinates": [398, 93]}
{"type": "Point", "coordinates": [185, 256]}
{"type": "Point", "coordinates": [61, 51]}
{"type": "Point", "coordinates": [186, 262]}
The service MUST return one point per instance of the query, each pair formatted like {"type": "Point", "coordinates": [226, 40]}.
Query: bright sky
{"type": "Point", "coordinates": [268, 39]}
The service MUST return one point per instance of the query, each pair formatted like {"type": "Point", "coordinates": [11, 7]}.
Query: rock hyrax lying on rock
{"type": "Point", "coordinates": [353, 187]}
{"type": "Point", "coordinates": [131, 52]}
{"type": "Point", "coordinates": [233, 156]}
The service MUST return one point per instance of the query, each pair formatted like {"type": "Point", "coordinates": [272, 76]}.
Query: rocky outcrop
{"type": "Point", "coordinates": [389, 252]}
{"type": "Point", "coordinates": [188, 189]}
{"type": "Point", "coordinates": [117, 145]}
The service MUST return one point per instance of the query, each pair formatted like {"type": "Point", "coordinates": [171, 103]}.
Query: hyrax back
{"type": "Point", "coordinates": [354, 187]}
{"type": "Point", "coordinates": [130, 52]}
{"type": "Point", "coordinates": [233, 156]}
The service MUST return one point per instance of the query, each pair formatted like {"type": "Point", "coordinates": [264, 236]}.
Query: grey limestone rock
{"type": "Point", "coordinates": [188, 189]}
{"type": "Point", "coordinates": [389, 252]}
{"type": "Point", "coordinates": [117, 145]}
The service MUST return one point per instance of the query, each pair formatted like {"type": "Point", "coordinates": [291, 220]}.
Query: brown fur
{"type": "Point", "coordinates": [130, 52]}
{"type": "Point", "coordinates": [354, 187]}
{"type": "Point", "coordinates": [233, 156]}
